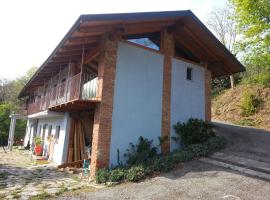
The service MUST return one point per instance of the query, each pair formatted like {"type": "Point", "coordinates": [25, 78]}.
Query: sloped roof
{"type": "Point", "coordinates": [190, 33]}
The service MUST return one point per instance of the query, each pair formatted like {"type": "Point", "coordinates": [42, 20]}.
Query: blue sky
{"type": "Point", "coordinates": [31, 29]}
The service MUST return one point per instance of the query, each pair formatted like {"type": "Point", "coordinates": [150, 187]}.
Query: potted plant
{"type": "Point", "coordinates": [38, 146]}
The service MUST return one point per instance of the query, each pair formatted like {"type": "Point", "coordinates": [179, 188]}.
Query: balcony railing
{"type": "Point", "coordinates": [84, 87]}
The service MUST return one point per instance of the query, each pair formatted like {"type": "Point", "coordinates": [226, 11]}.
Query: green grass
{"type": "Point", "coordinates": [246, 122]}
{"type": "Point", "coordinates": [16, 194]}
{"type": "Point", "coordinates": [3, 175]}
{"type": "Point", "coordinates": [61, 191]}
{"type": "Point", "coordinates": [42, 196]}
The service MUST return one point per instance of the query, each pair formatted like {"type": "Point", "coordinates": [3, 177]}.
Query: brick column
{"type": "Point", "coordinates": [103, 111]}
{"type": "Point", "coordinates": [168, 48]}
{"type": "Point", "coordinates": [207, 95]}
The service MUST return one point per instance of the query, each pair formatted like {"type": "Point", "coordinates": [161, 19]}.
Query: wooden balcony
{"type": "Point", "coordinates": [76, 93]}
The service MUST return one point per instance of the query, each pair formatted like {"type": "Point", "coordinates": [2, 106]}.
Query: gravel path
{"type": "Point", "coordinates": [195, 180]}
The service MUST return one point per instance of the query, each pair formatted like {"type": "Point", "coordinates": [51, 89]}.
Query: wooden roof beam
{"type": "Point", "coordinates": [190, 47]}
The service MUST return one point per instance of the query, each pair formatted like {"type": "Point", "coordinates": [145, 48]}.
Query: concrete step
{"type": "Point", "coordinates": [242, 162]}
{"type": "Point", "coordinates": [243, 170]}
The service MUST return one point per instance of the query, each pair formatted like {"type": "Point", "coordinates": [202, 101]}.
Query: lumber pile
{"type": "Point", "coordinates": [71, 164]}
{"type": "Point", "coordinates": [76, 150]}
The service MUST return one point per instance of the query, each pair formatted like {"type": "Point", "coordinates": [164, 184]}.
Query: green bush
{"type": "Point", "coordinates": [198, 150]}
{"type": "Point", "coordinates": [141, 152]}
{"type": "Point", "coordinates": [38, 141]}
{"type": "Point", "coordinates": [136, 173]}
{"type": "Point", "coordinates": [261, 78]}
{"type": "Point", "coordinates": [117, 174]}
{"type": "Point", "coordinates": [193, 132]}
{"type": "Point", "coordinates": [102, 175]}
{"type": "Point", "coordinates": [216, 143]}
{"type": "Point", "coordinates": [159, 164]}
{"type": "Point", "coordinates": [249, 103]}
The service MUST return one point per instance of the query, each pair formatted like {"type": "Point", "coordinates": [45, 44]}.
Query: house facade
{"type": "Point", "coordinates": [116, 77]}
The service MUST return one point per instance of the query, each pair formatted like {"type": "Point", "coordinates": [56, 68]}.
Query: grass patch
{"type": "Point", "coordinates": [16, 194]}
{"type": "Point", "coordinates": [40, 162]}
{"type": "Point", "coordinates": [42, 196]}
{"type": "Point", "coordinates": [79, 190]}
{"type": "Point", "coordinates": [246, 122]}
{"type": "Point", "coordinates": [3, 175]}
{"type": "Point", "coordinates": [62, 190]}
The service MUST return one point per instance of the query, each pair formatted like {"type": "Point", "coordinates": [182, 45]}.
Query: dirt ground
{"type": "Point", "coordinates": [196, 180]}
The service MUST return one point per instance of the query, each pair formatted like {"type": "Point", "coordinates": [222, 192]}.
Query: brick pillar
{"type": "Point", "coordinates": [168, 48]}
{"type": "Point", "coordinates": [207, 95]}
{"type": "Point", "coordinates": [103, 111]}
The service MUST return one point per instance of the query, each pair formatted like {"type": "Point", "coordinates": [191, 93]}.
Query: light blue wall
{"type": "Point", "coordinates": [137, 106]}
{"type": "Point", "coordinates": [60, 147]}
{"type": "Point", "coordinates": [187, 97]}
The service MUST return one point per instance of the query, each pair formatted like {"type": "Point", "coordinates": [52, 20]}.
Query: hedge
{"type": "Point", "coordinates": [160, 163]}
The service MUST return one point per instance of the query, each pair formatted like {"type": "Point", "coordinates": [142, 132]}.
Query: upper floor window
{"type": "Point", "coordinates": [145, 42]}
{"type": "Point", "coordinates": [189, 73]}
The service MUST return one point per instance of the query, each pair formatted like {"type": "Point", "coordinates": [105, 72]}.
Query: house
{"type": "Point", "coordinates": [115, 77]}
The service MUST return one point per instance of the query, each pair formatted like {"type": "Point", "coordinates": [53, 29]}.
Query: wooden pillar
{"type": "Point", "coordinates": [103, 111]}
{"type": "Point", "coordinates": [208, 78]}
{"type": "Point", "coordinates": [168, 49]}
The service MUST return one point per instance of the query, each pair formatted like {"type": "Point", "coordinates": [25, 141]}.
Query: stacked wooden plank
{"type": "Point", "coordinates": [76, 150]}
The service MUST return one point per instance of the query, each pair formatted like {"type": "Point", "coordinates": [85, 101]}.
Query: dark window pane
{"type": "Point", "coordinates": [189, 73]}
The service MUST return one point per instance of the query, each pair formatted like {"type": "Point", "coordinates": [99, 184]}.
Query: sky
{"type": "Point", "coordinates": [31, 29]}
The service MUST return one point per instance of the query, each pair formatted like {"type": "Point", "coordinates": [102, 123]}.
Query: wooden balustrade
{"type": "Point", "coordinates": [74, 88]}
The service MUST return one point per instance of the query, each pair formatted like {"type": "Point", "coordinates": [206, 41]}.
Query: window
{"type": "Point", "coordinates": [43, 131]}
{"type": "Point", "coordinates": [57, 133]}
{"type": "Point", "coordinates": [39, 132]}
{"type": "Point", "coordinates": [145, 42]}
{"type": "Point", "coordinates": [189, 73]}
{"type": "Point", "coordinates": [50, 131]}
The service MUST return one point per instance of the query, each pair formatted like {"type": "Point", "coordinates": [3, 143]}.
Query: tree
{"type": "Point", "coordinates": [221, 23]}
{"type": "Point", "coordinates": [253, 20]}
{"type": "Point", "coordinates": [9, 103]}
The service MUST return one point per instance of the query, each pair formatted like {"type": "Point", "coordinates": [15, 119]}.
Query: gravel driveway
{"type": "Point", "coordinates": [195, 180]}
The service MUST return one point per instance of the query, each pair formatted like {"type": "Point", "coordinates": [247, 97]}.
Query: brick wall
{"type": "Point", "coordinates": [103, 111]}
{"type": "Point", "coordinates": [167, 47]}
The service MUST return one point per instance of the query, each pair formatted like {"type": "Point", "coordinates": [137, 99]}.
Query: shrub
{"type": "Point", "coordinates": [136, 173]}
{"type": "Point", "coordinates": [249, 103]}
{"type": "Point", "coordinates": [198, 150]}
{"type": "Point", "coordinates": [102, 175]}
{"type": "Point", "coordinates": [160, 163]}
{"type": "Point", "coordinates": [193, 132]}
{"type": "Point", "coordinates": [140, 153]}
{"type": "Point", "coordinates": [117, 174]}
{"type": "Point", "coordinates": [261, 78]}
{"type": "Point", "coordinates": [38, 141]}
{"type": "Point", "coordinates": [216, 143]}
